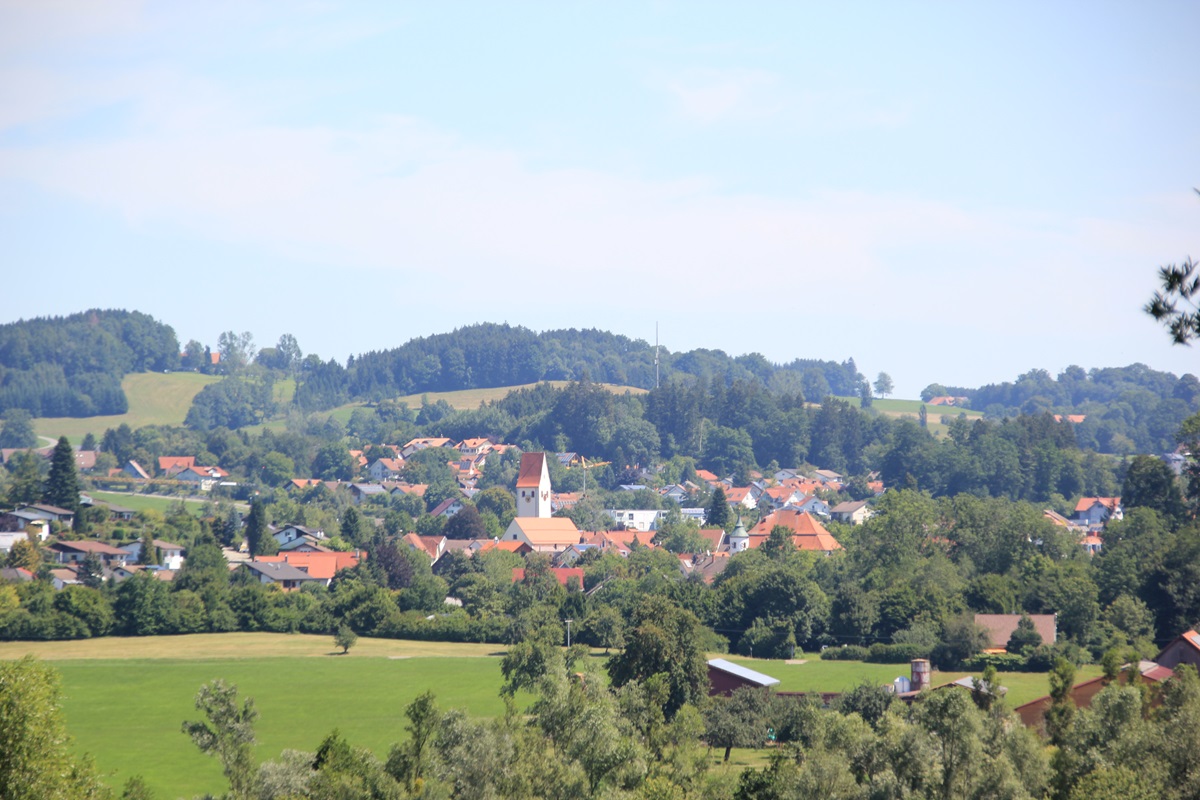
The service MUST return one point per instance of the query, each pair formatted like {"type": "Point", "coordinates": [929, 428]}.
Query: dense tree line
{"type": "Point", "coordinates": [1131, 409]}
{"type": "Point", "coordinates": [73, 365]}
{"type": "Point", "coordinates": [489, 355]}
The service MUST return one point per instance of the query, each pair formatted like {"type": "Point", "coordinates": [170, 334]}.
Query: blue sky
{"type": "Point", "coordinates": [947, 192]}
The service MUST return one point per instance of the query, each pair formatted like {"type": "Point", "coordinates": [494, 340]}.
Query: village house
{"type": "Point", "coordinates": [417, 445]}
{"type": "Point", "coordinates": [432, 546]}
{"type": "Point", "coordinates": [386, 469]}
{"type": "Point", "coordinates": [1095, 511]}
{"type": "Point", "coordinates": [171, 555]}
{"type": "Point", "coordinates": [320, 566]}
{"type": "Point", "coordinates": [287, 536]}
{"type": "Point", "coordinates": [203, 478]}
{"type": "Point", "coordinates": [278, 573]}
{"type": "Point", "coordinates": [1000, 628]}
{"type": "Point", "coordinates": [75, 552]}
{"type": "Point", "coordinates": [807, 532]}
{"type": "Point", "coordinates": [636, 519]}
{"type": "Point", "coordinates": [852, 512]}
{"type": "Point", "coordinates": [1183, 649]}
{"type": "Point", "coordinates": [170, 466]}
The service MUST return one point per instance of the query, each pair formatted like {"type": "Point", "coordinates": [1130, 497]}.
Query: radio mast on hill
{"type": "Point", "coordinates": [656, 355]}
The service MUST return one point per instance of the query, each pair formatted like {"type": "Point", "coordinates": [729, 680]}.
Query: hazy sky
{"type": "Point", "coordinates": [951, 192]}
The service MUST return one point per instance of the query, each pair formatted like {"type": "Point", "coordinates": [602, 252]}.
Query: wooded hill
{"type": "Point", "coordinates": [72, 366]}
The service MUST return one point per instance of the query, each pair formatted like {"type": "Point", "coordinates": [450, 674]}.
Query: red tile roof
{"type": "Point", "coordinates": [1085, 503]}
{"type": "Point", "coordinates": [807, 533]}
{"type": "Point", "coordinates": [532, 465]}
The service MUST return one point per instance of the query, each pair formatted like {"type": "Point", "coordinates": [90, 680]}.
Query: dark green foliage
{"type": "Point", "coordinates": [17, 430]}
{"type": "Point", "coordinates": [719, 515]}
{"type": "Point", "coordinates": [867, 700]}
{"type": "Point", "coordinates": [226, 732]}
{"type": "Point", "coordinates": [1150, 483]}
{"type": "Point", "coordinates": [233, 402]}
{"type": "Point", "coordinates": [258, 539]}
{"type": "Point", "coordinates": [664, 639]}
{"type": "Point", "coordinates": [1025, 638]}
{"type": "Point", "coordinates": [72, 366]}
{"type": "Point", "coordinates": [25, 481]}
{"type": "Point", "coordinates": [62, 485]}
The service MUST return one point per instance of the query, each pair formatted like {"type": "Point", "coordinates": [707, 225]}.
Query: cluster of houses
{"type": "Point", "coordinates": [1091, 515]}
{"type": "Point", "coordinates": [536, 530]}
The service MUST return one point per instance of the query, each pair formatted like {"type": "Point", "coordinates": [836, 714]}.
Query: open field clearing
{"type": "Point", "coordinates": [816, 675]}
{"type": "Point", "coordinates": [125, 699]}
{"type": "Point", "coordinates": [154, 399]}
{"type": "Point", "coordinates": [143, 502]}
{"type": "Point", "coordinates": [469, 399]}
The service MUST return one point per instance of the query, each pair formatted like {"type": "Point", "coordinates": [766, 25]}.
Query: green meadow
{"type": "Point", "coordinates": [154, 399]}
{"type": "Point", "coordinates": [126, 698]}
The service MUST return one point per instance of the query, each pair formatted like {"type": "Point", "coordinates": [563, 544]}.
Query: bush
{"type": "Point", "coordinates": [847, 652]}
{"type": "Point", "coordinates": [1003, 662]}
{"type": "Point", "coordinates": [896, 653]}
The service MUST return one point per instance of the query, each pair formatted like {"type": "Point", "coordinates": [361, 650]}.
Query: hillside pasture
{"type": "Point", "coordinates": [911, 409]}
{"type": "Point", "coordinates": [154, 399]}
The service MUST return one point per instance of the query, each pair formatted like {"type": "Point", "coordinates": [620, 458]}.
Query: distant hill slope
{"type": "Point", "coordinates": [489, 355]}
{"type": "Point", "coordinates": [154, 399]}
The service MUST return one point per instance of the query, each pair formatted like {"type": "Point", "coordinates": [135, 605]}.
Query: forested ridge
{"type": "Point", "coordinates": [73, 365]}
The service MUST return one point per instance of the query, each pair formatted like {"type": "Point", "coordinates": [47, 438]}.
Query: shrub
{"type": "Point", "coordinates": [847, 652]}
{"type": "Point", "coordinates": [896, 653]}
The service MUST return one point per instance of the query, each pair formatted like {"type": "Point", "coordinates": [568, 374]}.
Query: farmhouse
{"type": "Point", "coordinates": [724, 677]}
{"type": "Point", "coordinates": [1000, 628]}
{"type": "Point", "coordinates": [807, 532]}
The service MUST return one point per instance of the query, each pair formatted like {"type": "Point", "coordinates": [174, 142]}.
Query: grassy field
{"type": "Point", "coordinates": [154, 399]}
{"type": "Point", "coordinates": [141, 502]}
{"type": "Point", "coordinates": [912, 409]}
{"type": "Point", "coordinates": [125, 699]}
{"type": "Point", "coordinates": [816, 675]}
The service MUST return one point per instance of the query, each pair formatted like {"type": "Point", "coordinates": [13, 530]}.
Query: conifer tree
{"type": "Point", "coordinates": [718, 510]}
{"type": "Point", "coordinates": [62, 486]}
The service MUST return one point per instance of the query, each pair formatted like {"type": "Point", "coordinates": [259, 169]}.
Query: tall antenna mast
{"type": "Point", "coordinates": [656, 355]}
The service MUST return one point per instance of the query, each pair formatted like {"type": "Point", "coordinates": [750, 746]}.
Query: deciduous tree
{"type": "Point", "coordinates": [227, 732]}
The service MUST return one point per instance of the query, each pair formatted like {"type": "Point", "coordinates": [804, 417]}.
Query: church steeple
{"type": "Point", "coordinates": [739, 540]}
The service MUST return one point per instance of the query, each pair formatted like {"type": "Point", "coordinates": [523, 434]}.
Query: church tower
{"type": "Point", "coordinates": [533, 486]}
{"type": "Point", "coordinates": [739, 540]}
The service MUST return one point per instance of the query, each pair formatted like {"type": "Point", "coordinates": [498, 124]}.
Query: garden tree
{"type": "Point", "coordinates": [498, 501]}
{"type": "Point", "coordinates": [227, 732]}
{"type": "Point", "coordinates": [24, 554]}
{"type": "Point", "coordinates": [1150, 483]}
{"type": "Point", "coordinates": [62, 484]}
{"type": "Point", "coordinates": [1025, 639]}
{"type": "Point", "coordinates": [961, 639]}
{"type": "Point", "coordinates": [88, 605]}
{"type": "Point", "coordinates": [664, 639]}
{"type": "Point", "coordinates": [259, 541]}
{"type": "Point", "coordinates": [149, 553]}
{"type": "Point", "coordinates": [985, 690]}
{"type": "Point", "coordinates": [89, 441]}
{"type": "Point", "coordinates": [35, 751]}
{"type": "Point", "coordinates": [740, 720]}
{"type": "Point", "coordinates": [466, 524]}
{"type": "Point", "coordinates": [334, 463]}
{"type": "Point", "coordinates": [345, 638]}
{"type": "Point", "coordinates": [409, 762]}
{"type": "Point", "coordinates": [276, 469]}
{"type": "Point", "coordinates": [718, 515]}
{"type": "Point", "coordinates": [931, 391]}
{"type": "Point", "coordinates": [193, 356]}
{"type": "Point", "coordinates": [144, 607]}
{"type": "Point", "coordinates": [1062, 707]}
{"type": "Point", "coordinates": [883, 384]}
{"type": "Point", "coordinates": [353, 528]}
{"type": "Point", "coordinates": [678, 534]}
{"type": "Point", "coordinates": [235, 349]}
{"type": "Point", "coordinates": [864, 395]}
{"type": "Point", "coordinates": [17, 431]}
{"type": "Point", "coordinates": [204, 567]}
{"type": "Point", "coordinates": [118, 442]}
{"type": "Point", "coordinates": [91, 571]}
{"type": "Point", "coordinates": [605, 627]}
{"type": "Point", "coordinates": [25, 484]}
{"type": "Point", "coordinates": [136, 789]}
{"type": "Point", "coordinates": [867, 700]}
